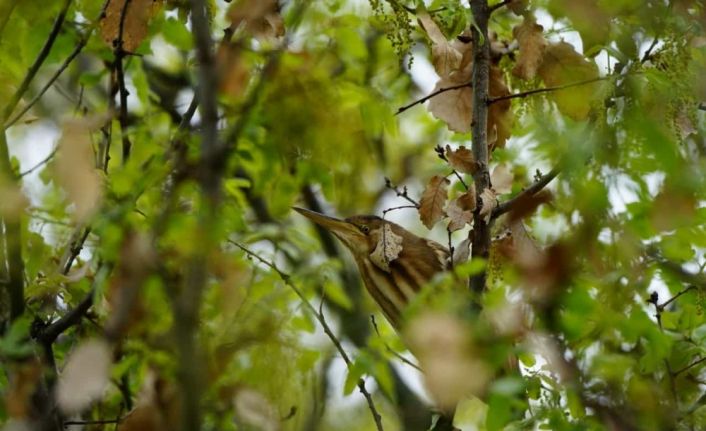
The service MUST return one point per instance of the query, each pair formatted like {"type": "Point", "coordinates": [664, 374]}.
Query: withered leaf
{"type": "Point", "coordinates": [388, 248]}
{"type": "Point", "coordinates": [254, 409]}
{"type": "Point", "coordinates": [445, 57]}
{"type": "Point", "coordinates": [499, 112]}
{"type": "Point", "coordinates": [462, 251]}
{"type": "Point", "coordinates": [501, 178]}
{"type": "Point", "coordinates": [530, 37]}
{"type": "Point", "coordinates": [461, 159]}
{"type": "Point", "coordinates": [431, 206]}
{"type": "Point", "coordinates": [454, 107]}
{"type": "Point", "coordinates": [527, 204]}
{"type": "Point", "coordinates": [467, 201]}
{"type": "Point", "coordinates": [562, 65]}
{"type": "Point", "coordinates": [137, 18]}
{"type": "Point", "coordinates": [490, 202]}
{"type": "Point", "coordinates": [85, 376]}
{"type": "Point", "coordinates": [76, 171]}
{"type": "Point", "coordinates": [233, 71]}
{"type": "Point", "coordinates": [261, 18]}
{"type": "Point", "coordinates": [458, 217]}
{"type": "Point", "coordinates": [518, 7]}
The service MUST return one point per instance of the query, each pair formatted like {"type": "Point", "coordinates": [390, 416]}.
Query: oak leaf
{"type": "Point", "coordinates": [387, 249]}
{"type": "Point", "coordinates": [458, 217]}
{"type": "Point", "coordinates": [260, 18]}
{"type": "Point", "coordinates": [85, 376]}
{"type": "Point", "coordinates": [445, 56]}
{"type": "Point", "coordinates": [137, 17]}
{"type": "Point", "coordinates": [467, 201]}
{"type": "Point", "coordinates": [530, 37]}
{"type": "Point", "coordinates": [490, 202]}
{"type": "Point", "coordinates": [501, 178]}
{"type": "Point", "coordinates": [431, 205]}
{"type": "Point", "coordinates": [75, 169]}
{"type": "Point", "coordinates": [461, 159]}
{"type": "Point", "coordinates": [562, 65]}
{"type": "Point", "coordinates": [499, 112]}
{"type": "Point", "coordinates": [462, 251]}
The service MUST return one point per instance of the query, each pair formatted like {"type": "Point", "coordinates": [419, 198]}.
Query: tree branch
{"type": "Point", "coordinates": [287, 279]}
{"type": "Point", "coordinates": [526, 193]}
{"type": "Point", "coordinates": [480, 78]}
{"type": "Point", "coordinates": [34, 68]}
{"type": "Point", "coordinates": [431, 95]}
{"type": "Point", "coordinates": [119, 53]}
{"type": "Point", "coordinates": [548, 89]}
{"type": "Point", "coordinates": [497, 6]}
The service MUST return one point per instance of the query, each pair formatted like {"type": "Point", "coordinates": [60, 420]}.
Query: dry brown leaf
{"type": "Point", "coordinates": [454, 107]}
{"type": "Point", "coordinates": [562, 65]}
{"type": "Point", "coordinates": [158, 407]}
{"type": "Point", "coordinates": [501, 179]}
{"type": "Point", "coordinates": [527, 204]}
{"type": "Point", "coordinates": [530, 37]}
{"type": "Point", "coordinates": [23, 380]}
{"type": "Point", "coordinates": [254, 409]}
{"type": "Point", "coordinates": [431, 206]}
{"type": "Point", "coordinates": [467, 201]}
{"type": "Point", "coordinates": [458, 217]}
{"type": "Point", "coordinates": [518, 7]}
{"type": "Point", "coordinates": [447, 356]}
{"type": "Point", "coordinates": [137, 18]}
{"type": "Point", "coordinates": [462, 251]}
{"type": "Point", "coordinates": [233, 71]}
{"type": "Point", "coordinates": [261, 18]}
{"type": "Point", "coordinates": [76, 169]}
{"type": "Point", "coordinates": [387, 249]}
{"type": "Point", "coordinates": [461, 159]}
{"type": "Point", "coordinates": [490, 202]}
{"type": "Point", "coordinates": [444, 55]}
{"type": "Point", "coordinates": [499, 113]}
{"type": "Point", "coordinates": [85, 376]}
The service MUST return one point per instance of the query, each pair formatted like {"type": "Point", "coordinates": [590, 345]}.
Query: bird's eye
{"type": "Point", "coordinates": [365, 229]}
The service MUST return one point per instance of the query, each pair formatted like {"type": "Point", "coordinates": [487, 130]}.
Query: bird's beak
{"type": "Point", "coordinates": [345, 231]}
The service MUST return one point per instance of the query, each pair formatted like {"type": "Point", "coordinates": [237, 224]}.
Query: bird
{"type": "Point", "coordinates": [394, 263]}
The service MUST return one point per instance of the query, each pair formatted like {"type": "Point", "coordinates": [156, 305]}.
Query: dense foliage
{"type": "Point", "coordinates": [154, 277]}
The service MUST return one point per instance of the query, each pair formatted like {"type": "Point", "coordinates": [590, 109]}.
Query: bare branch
{"type": "Point", "coordinates": [526, 193]}
{"type": "Point", "coordinates": [548, 89]}
{"type": "Point", "coordinates": [497, 6]}
{"type": "Point", "coordinates": [287, 279]}
{"type": "Point", "coordinates": [40, 164]}
{"type": "Point", "coordinates": [434, 94]}
{"type": "Point", "coordinates": [34, 68]}
{"type": "Point", "coordinates": [402, 194]}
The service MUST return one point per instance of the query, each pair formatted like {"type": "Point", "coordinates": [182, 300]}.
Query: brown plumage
{"type": "Point", "coordinates": [392, 284]}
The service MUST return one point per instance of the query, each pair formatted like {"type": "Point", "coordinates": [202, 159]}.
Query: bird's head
{"type": "Point", "coordinates": [358, 233]}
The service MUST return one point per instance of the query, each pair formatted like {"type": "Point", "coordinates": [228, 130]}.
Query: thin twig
{"type": "Point", "coordinates": [549, 89]}
{"type": "Point", "coordinates": [690, 366]}
{"type": "Point", "coordinates": [40, 164]}
{"type": "Point", "coordinates": [497, 6]}
{"type": "Point", "coordinates": [120, 74]}
{"type": "Point", "coordinates": [441, 153]}
{"type": "Point", "coordinates": [402, 194]}
{"type": "Point", "coordinates": [34, 68]}
{"type": "Point", "coordinates": [528, 192]}
{"type": "Point", "coordinates": [287, 279]}
{"type": "Point", "coordinates": [385, 211]}
{"type": "Point", "coordinates": [648, 53]}
{"type": "Point", "coordinates": [434, 94]}
{"type": "Point", "coordinates": [670, 300]}
{"type": "Point", "coordinates": [391, 350]}
{"type": "Point", "coordinates": [77, 50]}
{"type": "Point", "coordinates": [96, 422]}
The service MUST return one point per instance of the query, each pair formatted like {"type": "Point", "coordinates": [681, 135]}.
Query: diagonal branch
{"type": "Point", "coordinates": [287, 279]}
{"type": "Point", "coordinates": [526, 193]}
{"type": "Point", "coordinates": [431, 95]}
{"type": "Point", "coordinates": [34, 68]}
{"type": "Point", "coordinates": [549, 89]}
